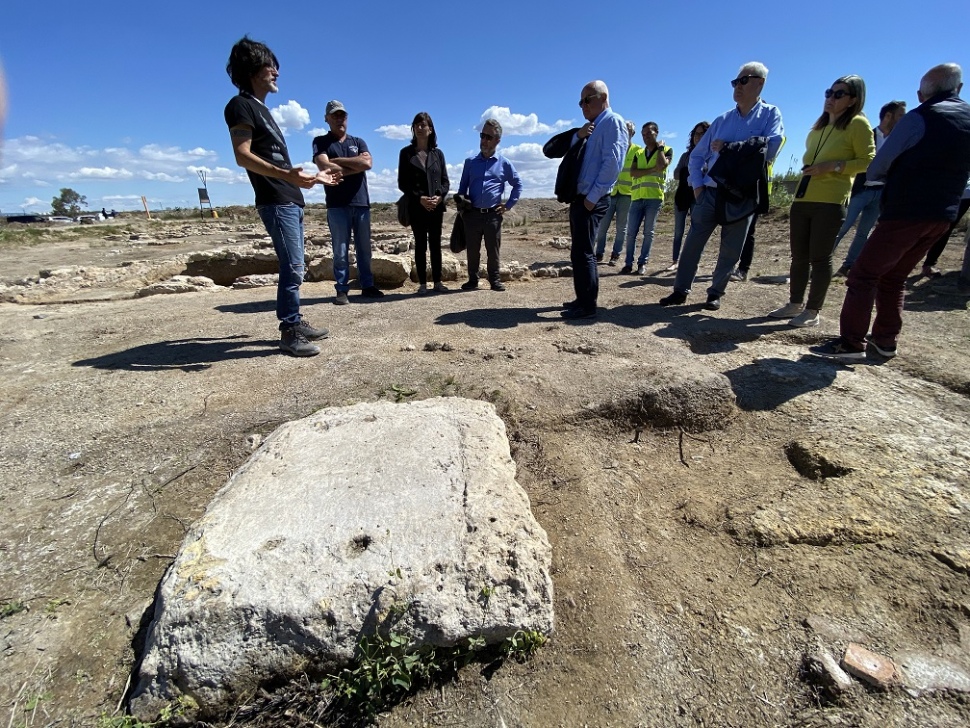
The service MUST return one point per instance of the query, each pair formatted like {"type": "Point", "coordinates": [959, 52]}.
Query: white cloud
{"type": "Point", "coordinates": [394, 131]}
{"type": "Point", "coordinates": [537, 172]}
{"type": "Point", "coordinates": [291, 115]}
{"type": "Point", "coordinates": [521, 124]}
{"type": "Point", "coordinates": [31, 201]}
{"type": "Point", "coordinates": [100, 173]}
{"type": "Point", "coordinates": [161, 177]}
{"type": "Point", "coordinates": [318, 131]}
{"type": "Point", "coordinates": [220, 174]}
{"type": "Point", "coordinates": [156, 153]}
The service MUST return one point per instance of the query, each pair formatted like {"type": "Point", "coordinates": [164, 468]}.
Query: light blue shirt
{"type": "Point", "coordinates": [763, 120]}
{"type": "Point", "coordinates": [605, 152]}
{"type": "Point", "coordinates": [483, 181]}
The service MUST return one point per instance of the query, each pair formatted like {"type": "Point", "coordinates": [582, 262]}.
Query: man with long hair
{"type": "Point", "coordinates": [260, 149]}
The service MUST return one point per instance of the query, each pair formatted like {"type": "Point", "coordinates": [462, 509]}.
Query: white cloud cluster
{"type": "Point", "coordinates": [394, 131]}
{"type": "Point", "coordinates": [291, 115]}
{"type": "Point", "coordinates": [521, 124]}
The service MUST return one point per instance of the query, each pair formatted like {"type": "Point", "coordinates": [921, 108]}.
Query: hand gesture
{"type": "Point", "coordinates": [586, 130]}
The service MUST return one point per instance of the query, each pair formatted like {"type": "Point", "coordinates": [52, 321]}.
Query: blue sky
{"type": "Point", "coordinates": [119, 100]}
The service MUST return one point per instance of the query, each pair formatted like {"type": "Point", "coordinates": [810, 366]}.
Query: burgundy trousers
{"type": "Point", "coordinates": [879, 275]}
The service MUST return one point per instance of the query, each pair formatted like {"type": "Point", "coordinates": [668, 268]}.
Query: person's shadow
{"type": "Point", "coordinates": [500, 318]}
{"type": "Point", "coordinates": [765, 384]}
{"type": "Point", "coordinates": [189, 355]}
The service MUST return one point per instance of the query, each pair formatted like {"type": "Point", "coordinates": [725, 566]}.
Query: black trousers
{"type": "Point", "coordinates": [487, 225]}
{"type": "Point", "coordinates": [583, 226]}
{"type": "Point", "coordinates": [426, 227]}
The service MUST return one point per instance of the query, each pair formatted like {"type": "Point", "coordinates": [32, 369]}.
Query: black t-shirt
{"type": "Point", "coordinates": [352, 191]}
{"type": "Point", "coordinates": [267, 144]}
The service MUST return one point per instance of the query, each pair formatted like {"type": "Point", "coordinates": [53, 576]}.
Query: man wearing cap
{"type": "Point", "coordinates": [348, 203]}
{"type": "Point", "coordinates": [483, 180]}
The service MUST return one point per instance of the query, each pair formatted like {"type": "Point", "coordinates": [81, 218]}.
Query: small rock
{"type": "Point", "coordinates": [254, 440]}
{"type": "Point", "coordinates": [923, 673]}
{"type": "Point", "coordinates": [822, 669]}
{"type": "Point", "coordinates": [877, 670]}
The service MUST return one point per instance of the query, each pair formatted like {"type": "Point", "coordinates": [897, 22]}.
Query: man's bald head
{"type": "Point", "coordinates": [944, 78]}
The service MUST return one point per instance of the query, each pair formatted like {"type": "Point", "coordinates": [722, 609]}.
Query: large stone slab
{"type": "Point", "coordinates": [389, 517]}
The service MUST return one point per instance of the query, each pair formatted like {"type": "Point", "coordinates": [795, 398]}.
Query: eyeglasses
{"type": "Point", "coordinates": [587, 100]}
{"type": "Point", "coordinates": [488, 137]}
{"type": "Point", "coordinates": [830, 94]}
{"type": "Point", "coordinates": [743, 80]}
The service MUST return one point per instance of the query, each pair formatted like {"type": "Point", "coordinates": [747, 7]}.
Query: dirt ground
{"type": "Point", "coordinates": [693, 573]}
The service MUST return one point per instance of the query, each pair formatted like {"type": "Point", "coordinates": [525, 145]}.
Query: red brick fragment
{"type": "Point", "coordinates": [873, 668]}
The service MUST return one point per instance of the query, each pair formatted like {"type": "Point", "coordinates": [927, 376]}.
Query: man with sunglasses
{"type": "Point", "coordinates": [606, 146]}
{"type": "Point", "coordinates": [750, 118]}
{"type": "Point", "coordinates": [483, 180]}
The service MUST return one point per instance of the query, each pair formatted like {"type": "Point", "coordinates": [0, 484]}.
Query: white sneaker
{"type": "Point", "coordinates": [808, 317]}
{"type": "Point", "coordinates": [641, 270]}
{"type": "Point", "coordinates": [789, 310]}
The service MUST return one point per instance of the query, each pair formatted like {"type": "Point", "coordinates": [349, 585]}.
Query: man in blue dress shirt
{"type": "Point", "coordinates": [606, 144]}
{"type": "Point", "coordinates": [483, 181]}
{"type": "Point", "coordinates": [752, 117]}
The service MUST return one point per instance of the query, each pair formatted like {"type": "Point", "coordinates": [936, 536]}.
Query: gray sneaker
{"type": "Point", "coordinates": [293, 341]}
{"type": "Point", "coordinates": [310, 332]}
{"type": "Point", "coordinates": [341, 299]}
{"type": "Point", "coordinates": [641, 270]}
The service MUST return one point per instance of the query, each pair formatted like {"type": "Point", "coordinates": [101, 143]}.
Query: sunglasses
{"type": "Point", "coordinates": [587, 100]}
{"type": "Point", "coordinates": [830, 94]}
{"type": "Point", "coordinates": [487, 137]}
{"type": "Point", "coordinates": [743, 80]}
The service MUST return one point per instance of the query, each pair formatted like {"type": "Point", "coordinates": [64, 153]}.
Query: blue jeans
{"type": "Point", "coordinates": [619, 208]}
{"type": "Point", "coordinates": [703, 220]}
{"type": "Point", "coordinates": [864, 207]}
{"type": "Point", "coordinates": [680, 227]}
{"type": "Point", "coordinates": [344, 221]}
{"type": "Point", "coordinates": [645, 212]}
{"type": "Point", "coordinates": [284, 223]}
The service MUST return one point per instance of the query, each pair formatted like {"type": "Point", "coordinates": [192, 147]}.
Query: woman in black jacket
{"type": "Point", "coordinates": [423, 176]}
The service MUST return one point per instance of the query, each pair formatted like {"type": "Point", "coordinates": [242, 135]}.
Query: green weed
{"type": "Point", "coordinates": [8, 609]}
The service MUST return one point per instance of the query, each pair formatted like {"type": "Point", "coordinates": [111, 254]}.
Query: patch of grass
{"type": "Point", "coordinates": [385, 671]}
{"type": "Point", "coordinates": [175, 709]}
{"type": "Point", "coordinates": [54, 604]}
{"type": "Point", "coordinates": [8, 609]}
{"type": "Point", "coordinates": [399, 392]}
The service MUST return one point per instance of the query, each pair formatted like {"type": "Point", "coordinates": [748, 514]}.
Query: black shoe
{"type": "Point", "coordinates": [626, 270]}
{"type": "Point", "coordinates": [674, 299]}
{"type": "Point", "coordinates": [471, 285]}
{"type": "Point", "coordinates": [578, 313]}
{"type": "Point", "coordinates": [571, 304]}
{"type": "Point", "coordinates": [308, 331]}
{"type": "Point", "coordinates": [292, 341]}
{"type": "Point", "coordinates": [498, 286]}
{"type": "Point", "coordinates": [372, 292]}
{"type": "Point", "coordinates": [599, 258]}
{"type": "Point", "coordinates": [341, 299]}
{"type": "Point", "coordinates": [713, 303]}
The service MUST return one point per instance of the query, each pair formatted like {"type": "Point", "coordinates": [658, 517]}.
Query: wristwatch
{"type": "Point", "coordinates": [838, 167]}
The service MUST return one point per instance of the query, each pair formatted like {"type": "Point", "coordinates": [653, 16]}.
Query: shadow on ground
{"type": "Point", "coordinates": [186, 354]}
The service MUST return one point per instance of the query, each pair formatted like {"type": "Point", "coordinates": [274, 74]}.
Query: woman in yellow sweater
{"type": "Point", "coordinates": [839, 146]}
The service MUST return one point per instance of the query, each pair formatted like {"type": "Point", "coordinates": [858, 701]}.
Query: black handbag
{"type": "Point", "coordinates": [403, 214]}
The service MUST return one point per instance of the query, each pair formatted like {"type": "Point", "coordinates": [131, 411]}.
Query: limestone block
{"type": "Point", "coordinates": [342, 524]}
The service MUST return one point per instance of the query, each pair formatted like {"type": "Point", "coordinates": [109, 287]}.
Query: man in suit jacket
{"type": "Point", "coordinates": [606, 145]}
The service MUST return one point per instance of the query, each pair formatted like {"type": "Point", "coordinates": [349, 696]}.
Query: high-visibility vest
{"type": "Point", "coordinates": [624, 183]}
{"type": "Point", "coordinates": [650, 186]}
